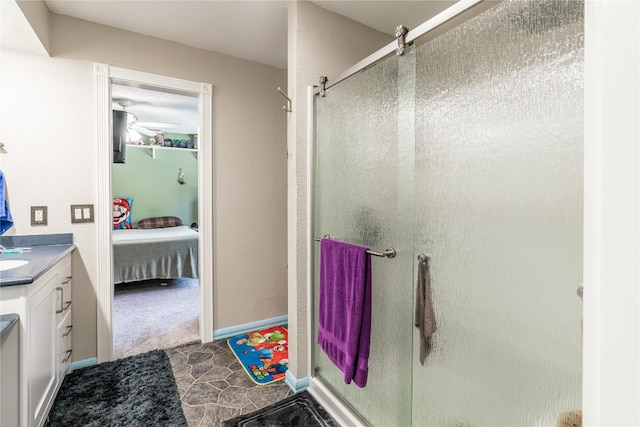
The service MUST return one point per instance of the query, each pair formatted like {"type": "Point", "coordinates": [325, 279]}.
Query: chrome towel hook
{"type": "Point", "coordinates": [287, 107]}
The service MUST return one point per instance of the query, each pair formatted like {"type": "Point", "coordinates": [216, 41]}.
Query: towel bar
{"type": "Point", "coordinates": [389, 253]}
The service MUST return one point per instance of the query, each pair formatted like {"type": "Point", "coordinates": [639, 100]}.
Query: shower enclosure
{"type": "Point", "coordinates": [467, 148]}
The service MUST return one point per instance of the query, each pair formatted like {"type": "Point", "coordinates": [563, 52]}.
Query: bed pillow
{"type": "Point", "coordinates": [160, 222]}
{"type": "Point", "coordinates": [122, 213]}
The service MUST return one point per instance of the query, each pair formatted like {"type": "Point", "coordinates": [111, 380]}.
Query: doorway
{"type": "Point", "coordinates": [104, 77]}
{"type": "Point", "coordinates": [155, 237]}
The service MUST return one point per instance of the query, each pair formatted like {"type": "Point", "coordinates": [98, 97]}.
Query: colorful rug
{"type": "Point", "coordinates": [264, 354]}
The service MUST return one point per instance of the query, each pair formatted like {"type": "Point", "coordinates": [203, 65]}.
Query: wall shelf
{"type": "Point", "coordinates": [153, 148]}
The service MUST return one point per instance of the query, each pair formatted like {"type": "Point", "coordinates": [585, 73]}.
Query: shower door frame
{"type": "Point", "coordinates": [335, 407]}
{"type": "Point", "coordinates": [607, 30]}
{"type": "Point", "coordinates": [456, 14]}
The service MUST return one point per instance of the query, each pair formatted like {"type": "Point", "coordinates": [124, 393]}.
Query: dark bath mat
{"type": "Point", "coordinates": [133, 392]}
{"type": "Point", "coordinates": [298, 410]}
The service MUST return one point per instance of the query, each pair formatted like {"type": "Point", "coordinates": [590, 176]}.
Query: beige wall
{"type": "Point", "coordinates": [320, 43]}
{"type": "Point", "coordinates": [37, 13]}
{"type": "Point", "coordinates": [49, 129]}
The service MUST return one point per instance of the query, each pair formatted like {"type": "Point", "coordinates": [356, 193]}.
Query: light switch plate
{"type": "Point", "coordinates": [38, 215]}
{"type": "Point", "coordinates": [81, 213]}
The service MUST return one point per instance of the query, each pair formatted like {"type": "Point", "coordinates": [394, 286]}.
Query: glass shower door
{"type": "Point", "coordinates": [499, 133]}
{"type": "Point", "coordinates": [363, 194]}
{"type": "Point", "coordinates": [469, 148]}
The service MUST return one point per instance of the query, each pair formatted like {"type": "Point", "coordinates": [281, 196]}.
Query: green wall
{"type": "Point", "coordinates": [153, 183]}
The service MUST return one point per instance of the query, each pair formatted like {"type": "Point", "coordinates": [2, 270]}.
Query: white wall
{"type": "Point", "coordinates": [320, 43]}
{"type": "Point", "coordinates": [48, 128]}
{"type": "Point", "coordinates": [611, 368]}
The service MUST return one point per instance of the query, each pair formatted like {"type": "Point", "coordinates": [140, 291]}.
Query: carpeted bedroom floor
{"type": "Point", "coordinates": [149, 316]}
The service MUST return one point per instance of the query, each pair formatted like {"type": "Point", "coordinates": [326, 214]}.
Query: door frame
{"type": "Point", "coordinates": [611, 273]}
{"type": "Point", "coordinates": [104, 75]}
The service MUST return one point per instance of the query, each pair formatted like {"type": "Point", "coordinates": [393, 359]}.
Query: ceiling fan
{"type": "Point", "coordinates": [145, 128]}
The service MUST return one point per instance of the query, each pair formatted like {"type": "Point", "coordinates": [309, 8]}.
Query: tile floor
{"type": "Point", "coordinates": [214, 387]}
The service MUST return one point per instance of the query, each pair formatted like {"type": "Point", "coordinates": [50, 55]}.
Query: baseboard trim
{"type": "Point", "coordinates": [296, 385]}
{"type": "Point", "coordinates": [219, 334]}
{"type": "Point", "coordinates": [248, 327]}
{"type": "Point", "coordinates": [83, 363]}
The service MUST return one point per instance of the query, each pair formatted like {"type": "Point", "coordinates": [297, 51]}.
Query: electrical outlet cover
{"type": "Point", "coordinates": [38, 215]}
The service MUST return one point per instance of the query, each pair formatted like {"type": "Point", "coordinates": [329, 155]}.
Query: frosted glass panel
{"type": "Point", "coordinates": [499, 208]}
{"type": "Point", "coordinates": [363, 195]}
{"type": "Point", "coordinates": [470, 149]}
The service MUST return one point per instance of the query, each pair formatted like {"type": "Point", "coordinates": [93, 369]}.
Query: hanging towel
{"type": "Point", "coordinates": [425, 318]}
{"type": "Point", "coordinates": [344, 318]}
{"type": "Point", "coordinates": [6, 221]}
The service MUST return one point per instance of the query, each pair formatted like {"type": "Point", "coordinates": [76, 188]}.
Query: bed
{"type": "Point", "coordinates": [156, 253]}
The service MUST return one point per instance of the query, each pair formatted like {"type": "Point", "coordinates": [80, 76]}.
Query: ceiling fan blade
{"type": "Point", "coordinates": [143, 130]}
{"type": "Point", "coordinates": [158, 125]}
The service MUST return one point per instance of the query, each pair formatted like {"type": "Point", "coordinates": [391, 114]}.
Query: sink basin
{"type": "Point", "coordinates": [8, 264]}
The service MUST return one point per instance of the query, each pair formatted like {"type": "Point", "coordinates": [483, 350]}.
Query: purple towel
{"type": "Point", "coordinates": [344, 329]}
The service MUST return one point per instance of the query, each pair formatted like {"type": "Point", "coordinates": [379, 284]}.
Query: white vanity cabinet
{"type": "Point", "coordinates": [44, 307]}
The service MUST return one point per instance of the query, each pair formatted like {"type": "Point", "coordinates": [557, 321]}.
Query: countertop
{"type": "Point", "coordinates": [7, 321]}
{"type": "Point", "coordinates": [46, 250]}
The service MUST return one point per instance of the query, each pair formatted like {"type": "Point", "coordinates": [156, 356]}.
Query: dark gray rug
{"type": "Point", "coordinates": [136, 391]}
{"type": "Point", "coordinates": [295, 411]}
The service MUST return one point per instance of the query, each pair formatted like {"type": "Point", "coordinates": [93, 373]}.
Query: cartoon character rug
{"type": "Point", "coordinates": [264, 354]}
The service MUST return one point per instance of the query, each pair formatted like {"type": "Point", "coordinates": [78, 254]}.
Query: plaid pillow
{"type": "Point", "coordinates": [160, 222]}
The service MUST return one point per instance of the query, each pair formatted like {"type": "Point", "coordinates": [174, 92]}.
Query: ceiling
{"type": "Point", "coordinates": [157, 110]}
{"type": "Point", "coordinates": [255, 30]}
{"type": "Point", "coordinates": [250, 29]}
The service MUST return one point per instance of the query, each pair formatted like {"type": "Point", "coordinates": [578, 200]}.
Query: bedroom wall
{"type": "Point", "coordinates": [316, 47]}
{"type": "Point", "coordinates": [153, 183]}
{"type": "Point", "coordinates": [49, 130]}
